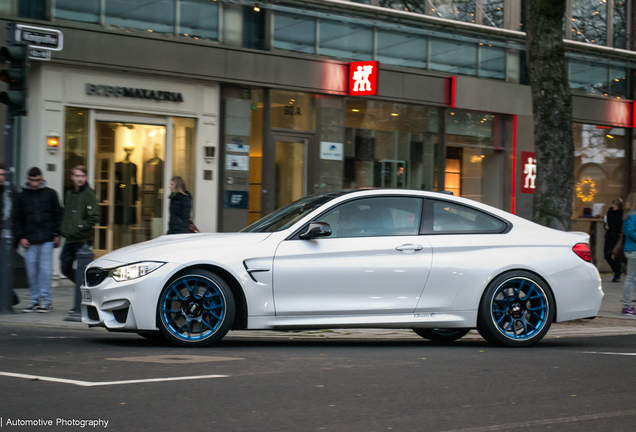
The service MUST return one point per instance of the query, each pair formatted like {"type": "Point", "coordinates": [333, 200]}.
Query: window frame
{"type": "Point", "coordinates": [428, 215]}
{"type": "Point", "coordinates": [303, 228]}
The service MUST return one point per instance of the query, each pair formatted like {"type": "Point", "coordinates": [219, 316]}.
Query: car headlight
{"type": "Point", "coordinates": [134, 271]}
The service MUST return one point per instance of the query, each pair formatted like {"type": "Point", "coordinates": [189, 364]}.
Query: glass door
{"type": "Point", "coordinates": [129, 183]}
{"type": "Point", "coordinates": [290, 170]}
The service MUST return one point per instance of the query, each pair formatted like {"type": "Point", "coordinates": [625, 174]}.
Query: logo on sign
{"type": "Point", "coordinates": [529, 172]}
{"type": "Point", "coordinates": [363, 78]}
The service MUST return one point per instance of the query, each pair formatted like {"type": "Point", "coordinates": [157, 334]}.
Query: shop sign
{"type": "Point", "coordinates": [237, 163]}
{"type": "Point", "coordinates": [331, 151]}
{"type": "Point", "coordinates": [529, 172]}
{"type": "Point", "coordinates": [39, 37]}
{"type": "Point", "coordinates": [129, 92]}
{"type": "Point", "coordinates": [363, 78]}
{"type": "Point", "coordinates": [235, 200]}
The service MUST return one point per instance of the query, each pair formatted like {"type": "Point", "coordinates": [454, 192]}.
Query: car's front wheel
{"type": "Point", "coordinates": [441, 335]}
{"type": "Point", "coordinates": [195, 309]}
{"type": "Point", "coordinates": [516, 310]}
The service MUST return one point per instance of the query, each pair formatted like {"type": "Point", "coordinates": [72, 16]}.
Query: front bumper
{"type": "Point", "coordinates": [129, 305]}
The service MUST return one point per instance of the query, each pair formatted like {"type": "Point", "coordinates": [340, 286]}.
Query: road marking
{"type": "Point", "coordinates": [175, 359]}
{"type": "Point", "coordinates": [547, 422]}
{"type": "Point", "coordinates": [609, 353]}
{"type": "Point", "coordinates": [106, 383]}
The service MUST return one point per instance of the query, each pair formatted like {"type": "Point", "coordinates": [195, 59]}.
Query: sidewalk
{"type": "Point", "coordinates": [608, 322]}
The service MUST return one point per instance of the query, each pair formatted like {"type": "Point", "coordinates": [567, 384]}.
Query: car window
{"type": "Point", "coordinates": [448, 217]}
{"type": "Point", "coordinates": [385, 216]}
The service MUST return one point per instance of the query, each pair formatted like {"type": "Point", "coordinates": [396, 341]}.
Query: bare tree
{"type": "Point", "coordinates": [552, 109]}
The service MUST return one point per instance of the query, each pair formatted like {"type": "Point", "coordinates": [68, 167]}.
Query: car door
{"type": "Point", "coordinates": [467, 245]}
{"type": "Point", "coordinates": [373, 262]}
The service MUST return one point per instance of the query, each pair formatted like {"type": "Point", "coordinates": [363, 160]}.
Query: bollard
{"type": "Point", "coordinates": [83, 257]}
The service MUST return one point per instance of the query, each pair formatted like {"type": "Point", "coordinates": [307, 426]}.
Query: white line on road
{"type": "Point", "coordinates": [609, 353]}
{"type": "Point", "coordinates": [105, 383]}
{"type": "Point", "coordinates": [547, 422]}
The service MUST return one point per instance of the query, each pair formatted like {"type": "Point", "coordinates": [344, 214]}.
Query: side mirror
{"type": "Point", "coordinates": [316, 229]}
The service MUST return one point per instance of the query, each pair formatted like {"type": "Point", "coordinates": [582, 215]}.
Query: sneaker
{"type": "Point", "coordinates": [33, 308]}
{"type": "Point", "coordinates": [629, 311]}
{"type": "Point", "coordinates": [49, 308]}
{"type": "Point", "coordinates": [616, 279]}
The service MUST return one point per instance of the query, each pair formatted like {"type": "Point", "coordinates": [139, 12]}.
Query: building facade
{"type": "Point", "coordinates": [250, 102]}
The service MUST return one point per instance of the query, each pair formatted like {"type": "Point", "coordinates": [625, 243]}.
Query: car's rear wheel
{"type": "Point", "coordinates": [441, 335]}
{"type": "Point", "coordinates": [195, 309]}
{"type": "Point", "coordinates": [516, 310]}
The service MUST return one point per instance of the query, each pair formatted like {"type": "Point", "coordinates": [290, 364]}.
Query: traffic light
{"type": "Point", "coordinates": [16, 76]}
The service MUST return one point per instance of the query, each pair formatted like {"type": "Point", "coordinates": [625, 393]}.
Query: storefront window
{"type": "Point", "coordinates": [460, 10]}
{"type": "Point", "coordinates": [345, 40]}
{"type": "Point", "coordinates": [620, 24]}
{"type": "Point", "coordinates": [589, 77]}
{"type": "Point", "coordinates": [75, 143]}
{"type": "Point", "coordinates": [183, 157]}
{"type": "Point", "coordinates": [199, 19]}
{"type": "Point", "coordinates": [151, 15]}
{"type": "Point", "coordinates": [72, 10]}
{"type": "Point", "coordinates": [401, 49]}
{"type": "Point", "coordinates": [599, 168]}
{"type": "Point", "coordinates": [492, 62]}
{"type": "Point", "coordinates": [294, 33]}
{"type": "Point", "coordinates": [589, 21]}
{"type": "Point", "coordinates": [292, 110]}
{"type": "Point", "coordinates": [474, 164]}
{"type": "Point", "coordinates": [256, 158]}
{"type": "Point", "coordinates": [454, 57]}
{"type": "Point", "coordinates": [493, 13]}
{"type": "Point", "coordinates": [618, 82]}
{"type": "Point", "coordinates": [389, 145]}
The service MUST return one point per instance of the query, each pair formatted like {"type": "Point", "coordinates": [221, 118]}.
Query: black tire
{"type": "Point", "coordinates": [516, 310]}
{"type": "Point", "coordinates": [441, 335]}
{"type": "Point", "coordinates": [195, 309]}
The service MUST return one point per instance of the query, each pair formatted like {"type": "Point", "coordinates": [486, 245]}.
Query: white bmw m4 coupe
{"type": "Point", "coordinates": [438, 264]}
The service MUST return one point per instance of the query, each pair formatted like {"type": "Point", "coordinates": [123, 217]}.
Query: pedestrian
{"type": "Point", "coordinates": [629, 231]}
{"type": "Point", "coordinates": [180, 206]}
{"type": "Point", "coordinates": [36, 221]}
{"type": "Point", "coordinates": [613, 228]}
{"type": "Point", "coordinates": [81, 214]}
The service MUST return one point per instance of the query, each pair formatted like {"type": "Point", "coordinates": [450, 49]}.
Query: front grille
{"type": "Point", "coordinates": [95, 276]}
{"type": "Point", "coordinates": [92, 313]}
{"type": "Point", "coordinates": [120, 315]}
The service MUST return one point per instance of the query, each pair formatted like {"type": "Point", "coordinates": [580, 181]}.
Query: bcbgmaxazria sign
{"type": "Point", "coordinates": [129, 92]}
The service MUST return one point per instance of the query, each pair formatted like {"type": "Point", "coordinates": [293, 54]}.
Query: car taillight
{"type": "Point", "coordinates": [583, 251]}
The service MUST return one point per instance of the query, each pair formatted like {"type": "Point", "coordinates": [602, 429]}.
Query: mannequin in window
{"type": "Point", "coordinates": [126, 189]}
{"type": "Point", "coordinates": [153, 185]}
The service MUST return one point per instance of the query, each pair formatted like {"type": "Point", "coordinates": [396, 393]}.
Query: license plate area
{"type": "Point", "coordinates": [86, 296]}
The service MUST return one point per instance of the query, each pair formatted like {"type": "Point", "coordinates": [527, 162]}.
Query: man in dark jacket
{"type": "Point", "coordinates": [36, 220]}
{"type": "Point", "coordinates": [81, 214]}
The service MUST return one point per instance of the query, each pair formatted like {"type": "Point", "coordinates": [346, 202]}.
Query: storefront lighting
{"type": "Point", "coordinates": [452, 113]}
{"type": "Point", "coordinates": [394, 114]}
{"type": "Point", "coordinates": [609, 136]}
{"type": "Point", "coordinates": [257, 9]}
{"type": "Point", "coordinates": [53, 142]}
{"type": "Point", "coordinates": [355, 110]}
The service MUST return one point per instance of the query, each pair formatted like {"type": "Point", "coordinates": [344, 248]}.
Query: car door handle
{"type": "Point", "coordinates": [409, 247]}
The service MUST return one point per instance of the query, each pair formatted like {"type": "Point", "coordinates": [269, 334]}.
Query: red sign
{"type": "Point", "coordinates": [528, 172]}
{"type": "Point", "coordinates": [363, 78]}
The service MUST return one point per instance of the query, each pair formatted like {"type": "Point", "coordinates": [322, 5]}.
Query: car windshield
{"type": "Point", "coordinates": [287, 216]}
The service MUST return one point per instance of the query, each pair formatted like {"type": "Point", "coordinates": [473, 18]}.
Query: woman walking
{"type": "Point", "coordinates": [180, 206]}
{"type": "Point", "coordinates": [613, 227]}
{"type": "Point", "coordinates": [629, 231]}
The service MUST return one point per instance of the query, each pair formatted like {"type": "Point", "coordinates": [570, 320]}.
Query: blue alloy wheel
{"type": "Point", "coordinates": [517, 310]}
{"type": "Point", "coordinates": [196, 309]}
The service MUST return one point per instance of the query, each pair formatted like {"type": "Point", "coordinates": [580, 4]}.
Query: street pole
{"type": "Point", "coordinates": [6, 245]}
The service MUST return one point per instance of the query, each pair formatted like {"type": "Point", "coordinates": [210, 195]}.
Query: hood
{"type": "Point", "coordinates": [181, 248]}
{"type": "Point", "coordinates": [26, 186]}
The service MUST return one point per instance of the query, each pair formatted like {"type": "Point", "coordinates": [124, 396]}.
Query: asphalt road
{"type": "Point", "coordinates": [292, 383]}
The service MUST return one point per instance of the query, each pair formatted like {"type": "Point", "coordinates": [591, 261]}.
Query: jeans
{"type": "Point", "coordinates": [628, 286]}
{"type": "Point", "coordinates": [39, 265]}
